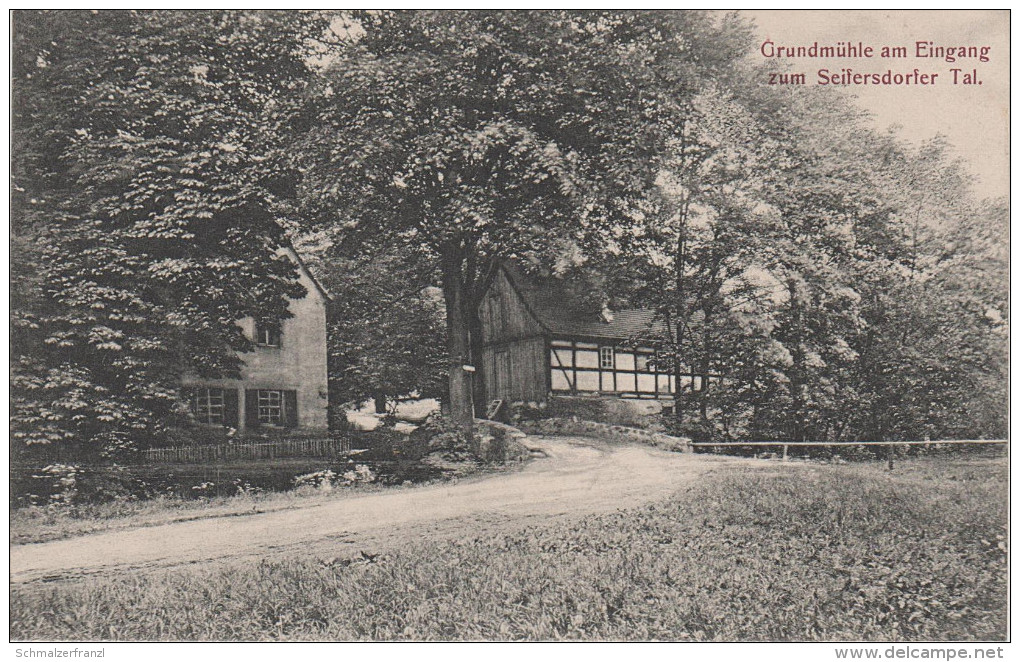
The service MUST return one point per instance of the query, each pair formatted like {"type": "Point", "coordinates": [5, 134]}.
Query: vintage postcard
{"type": "Point", "coordinates": [510, 326]}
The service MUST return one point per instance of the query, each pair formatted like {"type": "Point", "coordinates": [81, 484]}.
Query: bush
{"type": "Point", "coordinates": [431, 450]}
{"type": "Point", "coordinates": [328, 479]}
{"type": "Point", "coordinates": [494, 446]}
{"type": "Point", "coordinates": [68, 486]}
{"type": "Point", "coordinates": [441, 436]}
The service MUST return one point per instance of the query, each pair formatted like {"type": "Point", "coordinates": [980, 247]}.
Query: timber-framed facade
{"type": "Point", "coordinates": [538, 341]}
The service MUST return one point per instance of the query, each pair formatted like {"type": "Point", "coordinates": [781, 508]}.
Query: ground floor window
{"type": "Point", "coordinates": [207, 405]}
{"type": "Point", "coordinates": [212, 405]}
{"type": "Point", "coordinates": [271, 406]}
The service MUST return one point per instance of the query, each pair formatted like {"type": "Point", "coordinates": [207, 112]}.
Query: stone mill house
{"type": "Point", "coordinates": [283, 383]}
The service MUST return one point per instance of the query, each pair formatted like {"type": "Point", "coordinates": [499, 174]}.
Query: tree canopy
{"type": "Point", "coordinates": [482, 135]}
{"type": "Point", "coordinates": [834, 281]}
{"type": "Point", "coordinates": [146, 177]}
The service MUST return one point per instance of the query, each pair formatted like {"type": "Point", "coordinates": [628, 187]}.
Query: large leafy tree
{"type": "Point", "coordinates": [702, 231]}
{"type": "Point", "coordinates": [480, 135]}
{"type": "Point", "coordinates": [146, 176]}
{"type": "Point", "coordinates": [933, 354]}
{"type": "Point", "coordinates": [844, 284]}
{"type": "Point", "coordinates": [386, 330]}
{"type": "Point", "coordinates": [699, 253]}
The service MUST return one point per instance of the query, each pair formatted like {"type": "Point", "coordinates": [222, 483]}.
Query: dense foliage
{"type": "Point", "coordinates": [836, 282]}
{"type": "Point", "coordinates": [473, 136]}
{"type": "Point", "coordinates": [386, 331]}
{"type": "Point", "coordinates": [146, 174]}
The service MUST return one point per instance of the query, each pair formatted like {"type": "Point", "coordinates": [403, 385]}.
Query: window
{"type": "Point", "coordinates": [207, 404]}
{"type": "Point", "coordinates": [267, 333]}
{"type": "Point", "coordinates": [277, 407]}
{"type": "Point", "coordinates": [270, 407]}
{"type": "Point", "coordinates": [606, 357]}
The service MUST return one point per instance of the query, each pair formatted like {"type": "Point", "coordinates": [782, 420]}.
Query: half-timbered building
{"type": "Point", "coordinates": [539, 339]}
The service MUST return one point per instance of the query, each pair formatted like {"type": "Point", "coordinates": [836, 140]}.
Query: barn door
{"type": "Point", "coordinates": [502, 376]}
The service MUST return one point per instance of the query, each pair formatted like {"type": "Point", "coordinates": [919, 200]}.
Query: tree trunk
{"type": "Point", "coordinates": [479, 396]}
{"type": "Point", "coordinates": [703, 364]}
{"type": "Point", "coordinates": [380, 403]}
{"type": "Point", "coordinates": [703, 393]}
{"type": "Point", "coordinates": [678, 375]}
{"type": "Point", "coordinates": [680, 265]}
{"type": "Point", "coordinates": [458, 340]}
{"type": "Point", "coordinates": [797, 370]}
{"type": "Point", "coordinates": [681, 320]}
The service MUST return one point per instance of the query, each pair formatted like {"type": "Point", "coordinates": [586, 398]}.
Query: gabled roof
{"type": "Point", "coordinates": [559, 307]}
{"type": "Point", "coordinates": [296, 257]}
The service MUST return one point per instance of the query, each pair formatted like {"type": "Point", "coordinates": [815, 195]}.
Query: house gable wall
{"type": "Point", "coordinates": [513, 355]}
{"type": "Point", "coordinates": [298, 364]}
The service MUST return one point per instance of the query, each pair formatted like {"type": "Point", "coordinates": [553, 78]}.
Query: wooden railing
{"type": "Point", "coordinates": [889, 445]}
{"type": "Point", "coordinates": [260, 450]}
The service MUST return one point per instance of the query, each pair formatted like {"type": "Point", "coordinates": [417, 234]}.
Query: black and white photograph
{"type": "Point", "coordinates": [561, 325]}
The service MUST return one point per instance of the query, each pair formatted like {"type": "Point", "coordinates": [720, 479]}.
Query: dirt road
{"type": "Point", "coordinates": [578, 477]}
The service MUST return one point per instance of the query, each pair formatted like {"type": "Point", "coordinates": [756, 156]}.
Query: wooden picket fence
{"type": "Point", "coordinates": [260, 450]}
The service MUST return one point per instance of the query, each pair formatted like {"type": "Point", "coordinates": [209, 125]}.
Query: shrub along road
{"type": "Point", "coordinates": [578, 477]}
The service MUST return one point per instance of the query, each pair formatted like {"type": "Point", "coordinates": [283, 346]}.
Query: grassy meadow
{"type": "Point", "coordinates": [780, 552]}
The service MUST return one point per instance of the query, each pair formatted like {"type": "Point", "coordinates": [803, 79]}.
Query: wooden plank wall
{"type": "Point", "coordinates": [527, 378]}
{"type": "Point", "coordinates": [503, 314]}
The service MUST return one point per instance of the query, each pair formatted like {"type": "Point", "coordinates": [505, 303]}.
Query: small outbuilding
{"type": "Point", "coordinates": [540, 339]}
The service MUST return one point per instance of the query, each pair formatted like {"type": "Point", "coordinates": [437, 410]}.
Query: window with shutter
{"type": "Point", "coordinates": [270, 407]}
{"type": "Point", "coordinates": [208, 406]}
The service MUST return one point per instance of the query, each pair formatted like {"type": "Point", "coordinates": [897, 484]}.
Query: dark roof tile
{"type": "Point", "coordinates": [559, 308]}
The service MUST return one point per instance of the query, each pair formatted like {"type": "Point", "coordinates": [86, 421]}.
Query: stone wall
{"type": "Point", "coordinates": [605, 431]}
{"type": "Point", "coordinates": [628, 412]}
{"type": "Point", "coordinates": [502, 443]}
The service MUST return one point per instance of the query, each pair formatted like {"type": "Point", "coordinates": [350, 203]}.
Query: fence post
{"type": "Point", "coordinates": [889, 455]}
{"type": "Point", "coordinates": [785, 448]}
